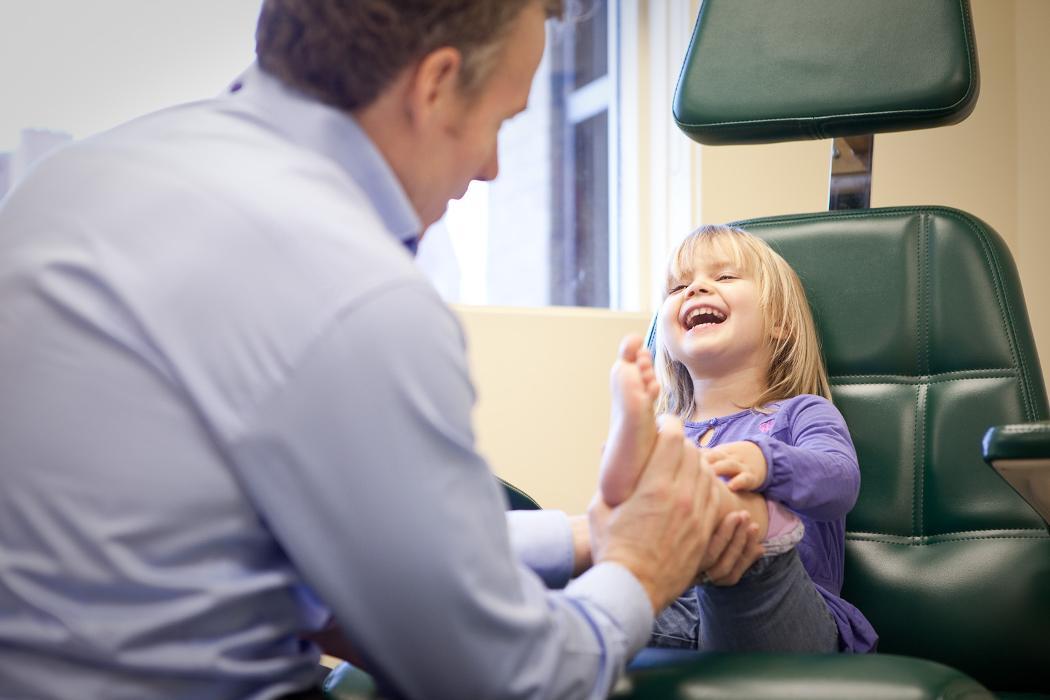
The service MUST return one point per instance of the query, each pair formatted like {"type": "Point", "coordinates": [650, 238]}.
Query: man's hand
{"type": "Point", "coordinates": [743, 462]}
{"type": "Point", "coordinates": [662, 530]}
{"type": "Point", "coordinates": [733, 549]}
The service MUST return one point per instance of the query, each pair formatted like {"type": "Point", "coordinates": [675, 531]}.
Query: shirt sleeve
{"type": "Point", "coordinates": [363, 466]}
{"type": "Point", "coordinates": [542, 541]}
{"type": "Point", "coordinates": [812, 464]}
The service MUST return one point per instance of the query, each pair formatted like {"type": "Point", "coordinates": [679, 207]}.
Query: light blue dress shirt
{"type": "Point", "coordinates": [227, 394]}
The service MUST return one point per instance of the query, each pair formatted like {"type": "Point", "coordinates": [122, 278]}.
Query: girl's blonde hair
{"type": "Point", "coordinates": [797, 366]}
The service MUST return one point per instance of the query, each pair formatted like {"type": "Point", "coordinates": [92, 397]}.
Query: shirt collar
{"type": "Point", "coordinates": [336, 135]}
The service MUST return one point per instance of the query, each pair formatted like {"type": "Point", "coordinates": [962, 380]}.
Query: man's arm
{"type": "Point", "coordinates": [364, 468]}
{"type": "Point", "coordinates": [541, 538]}
{"type": "Point", "coordinates": [550, 543]}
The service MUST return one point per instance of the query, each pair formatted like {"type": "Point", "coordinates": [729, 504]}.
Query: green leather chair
{"type": "Point", "coordinates": [928, 345]}
{"type": "Point", "coordinates": [518, 499]}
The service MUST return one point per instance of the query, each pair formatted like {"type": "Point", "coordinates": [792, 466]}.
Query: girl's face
{"type": "Point", "coordinates": [712, 321]}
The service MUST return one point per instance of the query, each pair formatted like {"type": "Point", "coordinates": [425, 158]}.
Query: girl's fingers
{"type": "Point", "coordinates": [741, 482]}
{"type": "Point", "coordinates": [725, 467]}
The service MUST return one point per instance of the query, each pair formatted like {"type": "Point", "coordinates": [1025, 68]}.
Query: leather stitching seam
{"type": "Point", "coordinates": [992, 260]}
{"type": "Point", "coordinates": [924, 293]}
{"type": "Point", "coordinates": [989, 373]}
{"type": "Point", "coordinates": [926, 541]}
{"type": "Point", "coordinates": [915, 465]}
{"type": "Point", "coordinates": [936, 539]}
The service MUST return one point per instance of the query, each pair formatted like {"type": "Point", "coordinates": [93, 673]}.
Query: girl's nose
{"type": "Point", "coordinates": [697, 288]}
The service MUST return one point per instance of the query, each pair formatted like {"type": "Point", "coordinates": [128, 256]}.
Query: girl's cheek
{"type": "Point", "coordinates": [668, 310]}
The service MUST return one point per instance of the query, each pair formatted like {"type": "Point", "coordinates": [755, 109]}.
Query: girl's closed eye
{"type": "Point", "coordinates": [675, 289]}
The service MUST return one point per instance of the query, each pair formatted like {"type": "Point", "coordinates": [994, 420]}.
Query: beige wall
{"type": "Point", "coordinates": [543, 394]}
{"type": "Point", "coordinates": [1032, 247]}
{"type": "Point", "coordinates": [971, 165]}
{"type": "Point", "coordinates": [542, 375]}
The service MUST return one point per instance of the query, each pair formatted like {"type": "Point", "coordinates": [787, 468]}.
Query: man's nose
{"type": "Point", "coordinates": [491, 168]}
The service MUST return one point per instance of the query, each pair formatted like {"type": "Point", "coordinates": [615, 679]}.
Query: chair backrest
{"type": "Point", "coordinates": [928, 343]}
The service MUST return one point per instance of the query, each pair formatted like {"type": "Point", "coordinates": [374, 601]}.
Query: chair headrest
{"type": "Point", "coordinates": [758, 71]}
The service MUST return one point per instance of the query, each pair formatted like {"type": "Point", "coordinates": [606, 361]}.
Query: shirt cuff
{"type": "Point", "coordinates": [614, 590]}
{"type": "Point", "coordinates": [542, 541]}
{"type": "Point", "coordinates": [763, 444]}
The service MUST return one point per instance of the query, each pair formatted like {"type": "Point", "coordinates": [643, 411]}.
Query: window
{"type": "Point", "coordinates": [545, 231]}
{"type": "Point", "coordinates": [596, 182]}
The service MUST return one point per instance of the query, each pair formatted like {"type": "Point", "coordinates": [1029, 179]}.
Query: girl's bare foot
{"type": "Point", "coordinates": [632, 428]}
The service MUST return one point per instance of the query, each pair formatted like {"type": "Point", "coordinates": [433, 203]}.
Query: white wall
{"type": "Point", "coordinates": [152, 54]}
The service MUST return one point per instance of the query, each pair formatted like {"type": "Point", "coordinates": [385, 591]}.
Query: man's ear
{"type": "Point", "coordinates": [434, 87]}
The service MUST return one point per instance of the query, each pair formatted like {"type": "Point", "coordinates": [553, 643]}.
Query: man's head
{"type": "Point", "coordinates": [430, 81]}
{"type": "Point", "coordinates": [345, 52]}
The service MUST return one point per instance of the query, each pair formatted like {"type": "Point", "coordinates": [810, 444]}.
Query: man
{"type": "Point", "coordinates": [232, 407]}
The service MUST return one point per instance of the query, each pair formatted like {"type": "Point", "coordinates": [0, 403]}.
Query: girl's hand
{"type": "Point", "coordinates": [742, 462]}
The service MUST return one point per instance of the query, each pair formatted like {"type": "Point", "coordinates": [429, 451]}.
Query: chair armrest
{"type": "Point", "coordinates": [794, 676]}
{"type": "Point", "coordinates": [657, 674]}
{"type": "Point", "coordinates": [1018, 441]}
{"type": "Point", "coordinates": [1020, 453]}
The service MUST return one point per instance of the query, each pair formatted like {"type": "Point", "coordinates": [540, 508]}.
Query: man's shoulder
{"type": "Point", "coordinates": [223, 153]}
{"type": "Point", "coordinates": [234, 248]}
{"type": "Point", "coordinates": [245, 191]}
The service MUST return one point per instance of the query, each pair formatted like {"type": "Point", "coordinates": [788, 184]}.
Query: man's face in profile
{"type": "Point", "coordinates": [466, 147]}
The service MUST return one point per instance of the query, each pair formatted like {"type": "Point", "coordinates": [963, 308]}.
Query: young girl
{"type": "Point", "coordinates": [739, 362]}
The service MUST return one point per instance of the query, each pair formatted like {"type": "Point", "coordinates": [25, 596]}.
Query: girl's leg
{"type": "Point", "coordinates": [677, 626]}
{"type": "Point", "coordinates": [774, 607]}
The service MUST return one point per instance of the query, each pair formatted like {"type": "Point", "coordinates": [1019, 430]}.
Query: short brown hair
{"type": "Point", "coordinates": [346, 52]}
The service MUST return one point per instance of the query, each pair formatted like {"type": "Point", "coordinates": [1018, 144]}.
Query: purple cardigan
{"type": "Point", "coordinates": [813, 471]}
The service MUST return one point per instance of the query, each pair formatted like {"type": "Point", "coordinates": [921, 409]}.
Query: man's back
{"type": "Point", "coordinates": [156, 284]}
